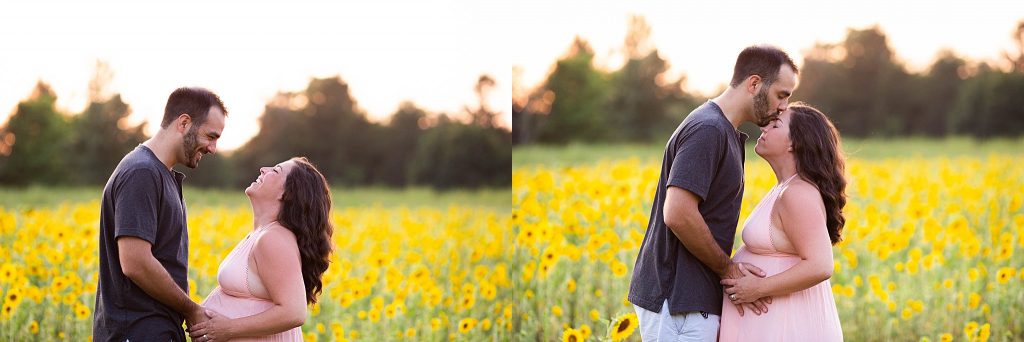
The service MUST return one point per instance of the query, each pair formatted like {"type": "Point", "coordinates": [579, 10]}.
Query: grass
{"type": "Point", "coordinates": [498, 199]}
{"type": "Point", "coordinates": [586, 154]}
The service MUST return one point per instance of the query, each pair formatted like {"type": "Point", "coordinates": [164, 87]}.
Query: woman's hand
{"type": "Point", "coordinates": [217, 328]}
{"type": "Point", "coordinates": [745, 289]}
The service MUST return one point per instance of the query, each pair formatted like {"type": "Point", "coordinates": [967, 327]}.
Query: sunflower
{"type": "Point", "coordinates": [435, 324]}
{"type": "Point", "coordinates": [466, 324]}
{"type": "Point", "coordinates": [585, 330]}
{"type": "Point", "coordinates": [1005, 274]}
{"type": "Point", "coordinates": [971, 328]}
{"type": "Point", "coordinates": [623, 326]}
{"type": "Point", "coordinates": [81, 311]}
{"type": "Point", "coordinates": [572, 335]}
{"type": "Point", "coordinates": [485, 324]}
{"type": "Point", "coordinates": [618, 269]}
{"type": "Point", "coordinates": [8, 311]}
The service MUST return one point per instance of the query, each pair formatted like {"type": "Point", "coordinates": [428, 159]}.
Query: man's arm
{"type": "Point", "coordinates": [684, 220]}
{"type": "Point", "coordinates": [139, 265]}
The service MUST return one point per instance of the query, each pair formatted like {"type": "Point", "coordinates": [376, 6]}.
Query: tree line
{"type": "Point", "coordinates": [860, 83]}
{"type": "Point", "coordinates": [40, 145]}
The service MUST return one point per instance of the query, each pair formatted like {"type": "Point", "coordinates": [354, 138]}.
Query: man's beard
{"type": "Point", "coordinates": [190, 145]}
{"type": "Point", "coordinates": [761, 115]}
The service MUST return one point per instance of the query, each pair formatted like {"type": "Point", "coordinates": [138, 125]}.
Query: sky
{"type": "Point", "coordinates": [388, 51]}
{"type": "Point", "coordinates": [702, 38]}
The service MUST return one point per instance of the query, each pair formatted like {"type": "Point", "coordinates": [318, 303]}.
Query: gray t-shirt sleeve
{"type": "Point", "coordinates": [135, 205]}
{"type": "Point", "coordinates": [697, 159]}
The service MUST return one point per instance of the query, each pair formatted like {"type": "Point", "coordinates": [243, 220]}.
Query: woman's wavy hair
{"type": "Point", "coordinates": [305, 210]}
{"type": "Point", "coordinates": [820, 160]}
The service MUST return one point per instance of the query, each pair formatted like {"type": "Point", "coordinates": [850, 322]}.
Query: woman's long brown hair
{"type": "Point", "coordinates": [305, 210]}
{"type": "Point", "coordinates": [819, 160]}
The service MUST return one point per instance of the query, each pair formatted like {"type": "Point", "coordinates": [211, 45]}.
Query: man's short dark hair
{"type": "Point", "coordinates": [194, 101]}
{"type": "Point", "coordinates": [761, 60]}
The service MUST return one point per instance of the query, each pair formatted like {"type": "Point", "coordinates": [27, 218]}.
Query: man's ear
{"type": "Point", "coordinates": [183, 122]}
{"type": "Point", "coordinates": [753, 82]}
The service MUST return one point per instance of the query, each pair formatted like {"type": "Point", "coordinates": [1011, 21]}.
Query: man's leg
{"type": "Point", "coordinates": [695, 326]}
{"type": "Point", "coordinates": [650, 322]}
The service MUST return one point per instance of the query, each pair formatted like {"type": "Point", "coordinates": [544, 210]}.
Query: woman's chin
{"type": "Point", "coordinates": [759, 151]}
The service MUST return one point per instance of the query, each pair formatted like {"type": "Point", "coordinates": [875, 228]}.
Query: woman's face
{"type": "Point", "coordinates": [774, 139]}
{"type": "Point", "coordinates": [270, 183]}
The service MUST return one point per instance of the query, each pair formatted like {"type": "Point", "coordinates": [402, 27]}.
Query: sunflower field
{"type": "Point", "coordinates": [929, 250]}
{"type": "Point", "coordinates": [398, 273]}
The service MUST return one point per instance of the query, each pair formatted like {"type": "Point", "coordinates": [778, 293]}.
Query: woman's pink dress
{"type": "Point", "coordinates": [234, 298]}
{"type": "Point", "coordinates": [807, 315]}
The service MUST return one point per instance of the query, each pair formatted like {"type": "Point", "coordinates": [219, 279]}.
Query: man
{"type": "Point", "coordinates": [142, 293]}
{"type": "Point", "coordinates": [675, 286]}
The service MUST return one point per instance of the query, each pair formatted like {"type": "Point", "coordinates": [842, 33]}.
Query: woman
{"type": "Point", "coordinates": [790, 235]}
{"type": "Point", "coordinates": [266, 282]}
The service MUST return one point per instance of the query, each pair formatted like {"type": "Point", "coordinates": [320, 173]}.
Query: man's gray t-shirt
{"type": "Point", "coordinates": [704, 156]}
{"type": "Point", "coordinates": [142, 198]}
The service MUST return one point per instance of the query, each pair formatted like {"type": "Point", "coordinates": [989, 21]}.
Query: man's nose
{"type": "Point", "coordinates": [212, 148]}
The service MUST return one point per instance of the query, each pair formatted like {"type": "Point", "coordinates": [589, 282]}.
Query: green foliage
{"type": "Point", "coordinates": [35, 140]}
{"type": "Point", "coordinates": [98, 142]}
{"type": "Point", "coordinates": [860, 83]}
{"type": "Point", "coordinates": [454, 154]}
{"type": "Point", "coordinates": [580, 107]}
{"type": "Point", "coordinates": [990, 104]}
{"type": "Point", "coordinates": [323, 124]}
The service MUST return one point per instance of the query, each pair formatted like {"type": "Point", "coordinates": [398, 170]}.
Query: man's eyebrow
{"type": "Point", "coordinates": [786, 93]}
{"type": "Point", "coordinates": [214, 135]}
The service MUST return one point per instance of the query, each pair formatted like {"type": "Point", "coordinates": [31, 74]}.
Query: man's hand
{"type": "Point", "coordinates": [196, 316]}
{"type": "Point", "coordinates": [737, 270]}
{"type": "Point", "coordinates": [216, 328]}
{"type": "Point", "coordinates": [734, 271]}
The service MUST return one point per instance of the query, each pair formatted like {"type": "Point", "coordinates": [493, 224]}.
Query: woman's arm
{"type": "Point", "coordinates": [802, 213]}
{"type": "Point", "coordinates": [280, 270]}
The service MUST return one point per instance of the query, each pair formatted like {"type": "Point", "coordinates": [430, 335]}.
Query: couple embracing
{"type": "Point", "coordinates": [685, 286]}
{"type": "Point", "coordinates": [264, 284]}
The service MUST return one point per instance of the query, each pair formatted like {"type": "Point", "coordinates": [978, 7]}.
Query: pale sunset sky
{"type": "Point", "coordinates": [702, 38]}
{"type": "Point", "coordinates": [388, 51]}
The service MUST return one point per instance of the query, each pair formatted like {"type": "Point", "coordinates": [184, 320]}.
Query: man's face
{"type": "Point", "coordinates": [202, 139]}
{"type": "Point", "coordinates": [773, 98]}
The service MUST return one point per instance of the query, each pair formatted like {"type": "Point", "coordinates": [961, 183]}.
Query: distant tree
{"type": "Point", "coordinates": [1017, 62]}
{"type": "Point", "coordinates": [483, 115]}
{"type": "Point", "coordinates": [529, 108]}
{"type": "Point", "coordinates": [401, 139]}
{"type": "Point", "coordinates": [35, 140]}
{"type": "Point", "coordinates": [639, 104]}
{"type": "Point", "coordinates": [101, 135]}
{"type": "Point", "coordinates": [989, 104]}
{"type": "Point", "coordinates": [283, 133]}
{"type": "Point", "coordinates": [937, 93]}
{"type": "Point", "coordinates": [322, 123]}
{"type": "Point", "coordinates": [859, 84]}
{"type": "Point", "coordinates": [453, 154]}
{"type": "Point", "coordinates": [579, 109]}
